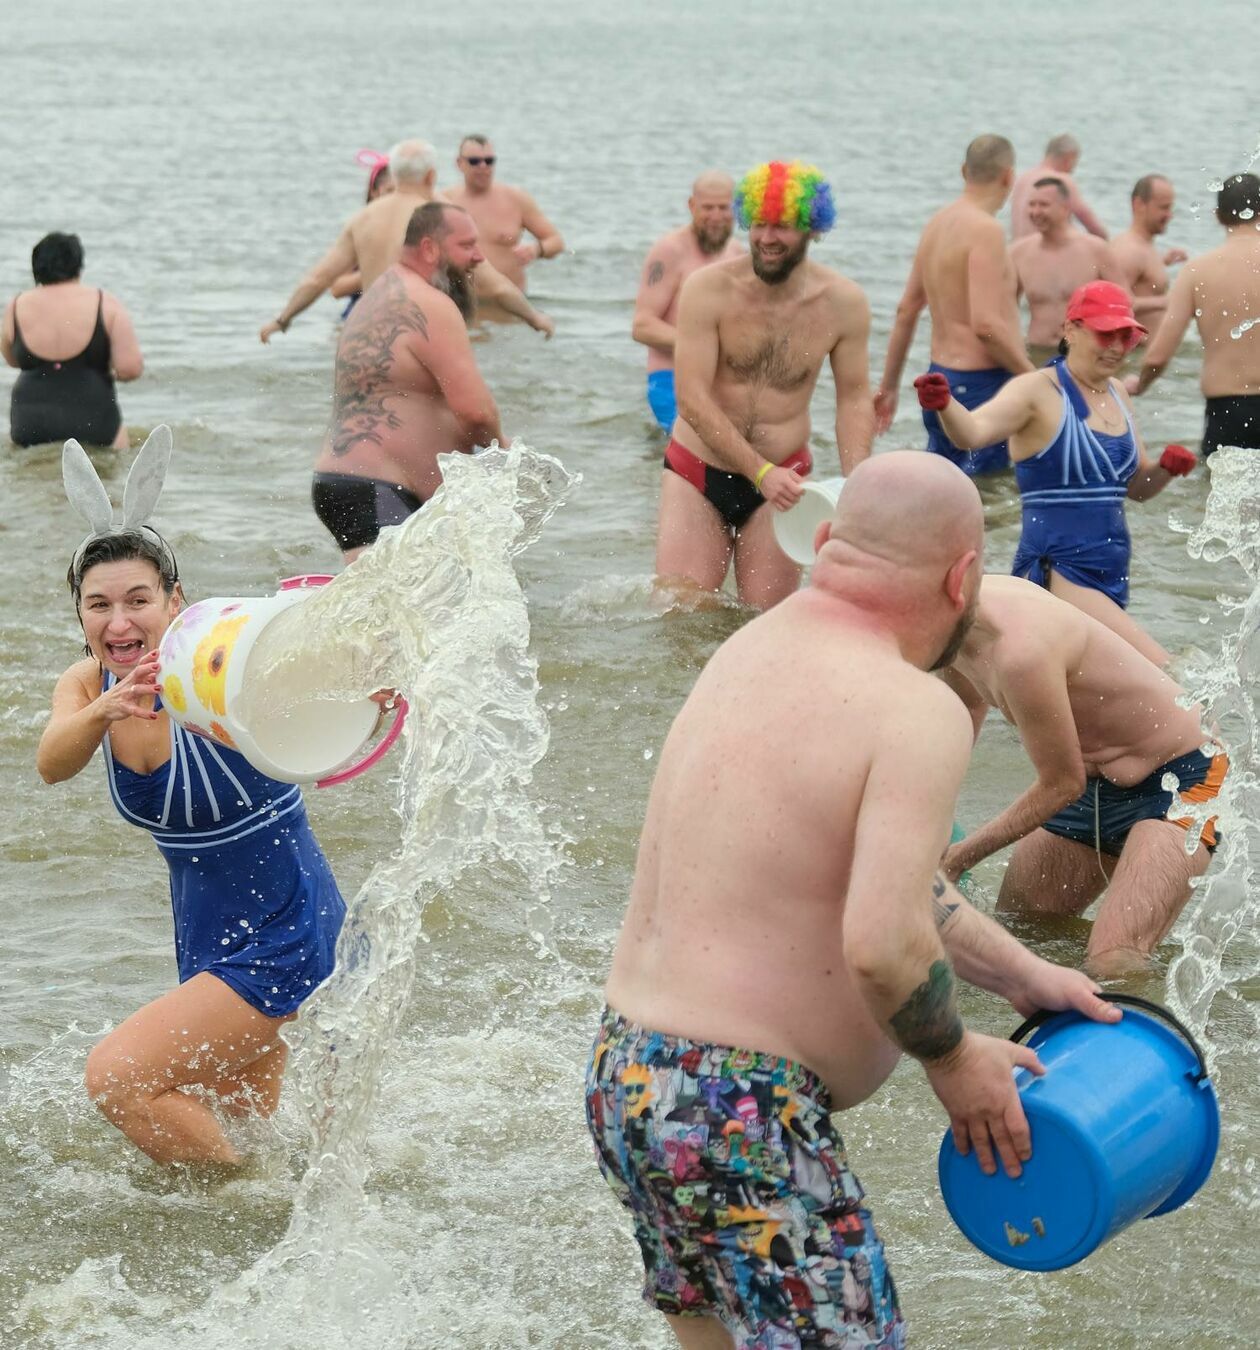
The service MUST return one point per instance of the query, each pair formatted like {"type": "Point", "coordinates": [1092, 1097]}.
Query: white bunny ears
{"type": "Point", "coordinates": [86, 493]}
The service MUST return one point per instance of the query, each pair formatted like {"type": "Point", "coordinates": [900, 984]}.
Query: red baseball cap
{"type": "Point", "coordinates": [1104, 307]}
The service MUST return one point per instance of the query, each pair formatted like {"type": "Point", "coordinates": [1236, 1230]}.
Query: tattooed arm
{"type": "Point", "coordinates": [658, 287]}
{"type": "Point", "coordinates": [986, 955]}
{"type": "Point", "coordinates": [892, 943]}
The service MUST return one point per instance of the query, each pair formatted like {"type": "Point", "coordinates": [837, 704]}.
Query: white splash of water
{"type": "Point", "coordinates": [1245, 327]}
{"type": "Point", "coordinates": [1219, 950]}
{"type": "Point", "coordinates": [434, 610]}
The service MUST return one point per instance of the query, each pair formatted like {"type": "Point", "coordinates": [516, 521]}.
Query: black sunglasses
{"type": "Point", "coordinates": [478, 160]}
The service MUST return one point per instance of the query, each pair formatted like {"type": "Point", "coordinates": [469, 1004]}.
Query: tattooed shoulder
{"type": "Point", "coordinates": [365, 363]}
{"type": "Point", "coordinates": [655, 272]}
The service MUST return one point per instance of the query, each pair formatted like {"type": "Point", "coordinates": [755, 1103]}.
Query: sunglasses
{"type": "Point", "coordinates": [478, 160]}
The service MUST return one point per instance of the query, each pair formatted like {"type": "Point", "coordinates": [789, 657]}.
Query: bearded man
{"type": "Point", "coordinates": [406, 387]}
{"type": "Point", "coordinates": [753, 333]}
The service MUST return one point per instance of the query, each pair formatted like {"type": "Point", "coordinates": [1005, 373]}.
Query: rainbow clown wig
{"type": "Point", "coordinates": [793, 194]}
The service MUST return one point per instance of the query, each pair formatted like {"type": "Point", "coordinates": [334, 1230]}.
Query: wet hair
{"type": "Point", "coordinates": [1063, 346]}
{"type": "Point", "coordinates": [57, 257]}
{"type": "Point", "coordinates": [1239, 199]}
{"type": "Point", "coordinates": [988, 158]}
{"type": "Point", "coordinates": [476, 138]}
{"type": "Point", "coordinates": [1144, 188]}
{"type": "Point", "coordinates": [429, 222]}
{"type": "Point", "coordinates": [1057, 183]}
{"type": "Point", "coordinates": [1062, 146]}
{"type": "Point", "coordinates": [143, 545]}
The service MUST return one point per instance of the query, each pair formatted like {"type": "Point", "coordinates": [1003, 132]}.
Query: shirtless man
{"type": "Point", "coordinates": [373, 239]}
{"type": "Point", "coordinates": [407, 388]}
{"type": "Point", "coordinates": [1062, 154]}
{"type": "Point", "coordinates": [1102, 726]}
{"type": "Point", "coordinates": [1054, 262]}
{"type": "Point", "coordinates": [1221, 292]}
{"type": "Point", "coordinates": [671, 261]}
{"type": "Point", "coordinates": [503, 214]}
{"type": "Point", "coordinates": [753, 334]}
{"type": "Point", "coordinates": [1143, 265]}
{"type": "Point", "coordinates": [962, 274]}
{"type": "Point", "coordinates": [786, 940]}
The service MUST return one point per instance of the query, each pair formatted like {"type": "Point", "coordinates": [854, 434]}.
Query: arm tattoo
{"type": "Point", "coordinates": [655, 273]}
{"type": "Point", "coordinates": [927, 1024]}
{"type": "Point", "coordinates": [942, 909]}
{"type": "Point", "coordinates": [365, 363]}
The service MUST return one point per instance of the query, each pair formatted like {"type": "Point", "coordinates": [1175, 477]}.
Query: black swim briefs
{"type": "Point", "coordinates": [1232, 420]}
{"type": "Point", "coordinates": [355, 510]}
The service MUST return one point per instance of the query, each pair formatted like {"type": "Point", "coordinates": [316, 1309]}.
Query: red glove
{"type": "Point", "coordinates": [1178, 460]}
{"type": "Point", "coordinates": [933, 391]}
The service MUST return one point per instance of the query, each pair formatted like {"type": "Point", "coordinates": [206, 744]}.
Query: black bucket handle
{"type": "Point", "coordinates": [1129, 1001]}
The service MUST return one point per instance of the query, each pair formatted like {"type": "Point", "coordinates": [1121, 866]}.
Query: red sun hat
{"type": "Point", "coordinates": [1104, 307]}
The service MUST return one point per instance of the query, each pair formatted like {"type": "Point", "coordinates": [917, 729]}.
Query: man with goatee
{"type": "Point", "coordinates": [671, 261]}
{"type": "Point", "coordinates": [753, 333]}
{"type": "Point", "coordinates": [407, 387]}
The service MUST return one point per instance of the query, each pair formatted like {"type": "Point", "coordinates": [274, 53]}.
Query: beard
{"type": "Point", "coordinates": [458, 284]}
{"type": "Point", "coordinates": [775, 271]}
{"type": "Point", "coordinates": [956, 639]}
{"type": "Point", "coordinates": [711, 238]}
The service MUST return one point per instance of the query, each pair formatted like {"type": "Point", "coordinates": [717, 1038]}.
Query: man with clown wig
{"type": "Point", "coordinates": [753, 333]}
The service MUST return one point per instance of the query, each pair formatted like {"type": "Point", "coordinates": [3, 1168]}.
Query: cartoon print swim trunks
{"type": "Point", "coordinates": [744, 1206]}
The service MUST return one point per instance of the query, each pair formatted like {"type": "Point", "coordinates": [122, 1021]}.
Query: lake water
{"type": "Point", "coordinates": [206, 159]}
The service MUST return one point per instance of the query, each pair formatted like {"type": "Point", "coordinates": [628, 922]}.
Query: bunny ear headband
{"type": "Point", "coordinates": [86, 493]}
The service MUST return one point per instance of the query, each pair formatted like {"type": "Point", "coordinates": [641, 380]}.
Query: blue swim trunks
{"type": "Point", "coordinates": [971, 388]}
{"type": "Point", "coordinates": [743, 1203]}
{"type": "Point", "coordinates": [1102, 816]}
{"type": "Point", "coordinates": [660, 395]}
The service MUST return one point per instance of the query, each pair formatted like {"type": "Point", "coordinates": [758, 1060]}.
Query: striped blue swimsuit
{"type": "Point", "coordinates": [1073, 495]}
{"type": "Point", "coordinates": [254, 899]}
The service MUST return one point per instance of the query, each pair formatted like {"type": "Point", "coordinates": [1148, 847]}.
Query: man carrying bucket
{"type": "Point", "coordinates": [786, 940]}
{"type": "Point", "coordinates": [1104, 728]}
{"type": "Point", "coordinates": [752, 336]}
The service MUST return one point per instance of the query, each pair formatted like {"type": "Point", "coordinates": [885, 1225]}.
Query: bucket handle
{"type": "Point", "coordinates": [1129, 1001]}
{"type": "Point", "coordinates": [382, 747]}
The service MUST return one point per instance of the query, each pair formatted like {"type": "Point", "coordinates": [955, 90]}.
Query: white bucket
{"type": "Point", "coordinates": [795, 528]}
{"type": "Point", "coordinates": [297, 733]}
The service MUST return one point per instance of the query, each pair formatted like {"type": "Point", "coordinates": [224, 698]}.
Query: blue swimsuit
{"type": "Point", "coordinates": [1073, 495]}
{"type": "Point", "coordinates": [254, 900]}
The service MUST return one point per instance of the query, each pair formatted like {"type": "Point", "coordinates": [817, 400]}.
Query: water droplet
{"type": "Point", "coordinates": [1245, 327]}
{"type": "Point", "coordinates": [647, 754]}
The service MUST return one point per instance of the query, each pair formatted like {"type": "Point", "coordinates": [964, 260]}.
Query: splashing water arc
{"type": "Point", "coordinates": [1219, 949]}
{"type": "Point", "coordinates": [433, 610]}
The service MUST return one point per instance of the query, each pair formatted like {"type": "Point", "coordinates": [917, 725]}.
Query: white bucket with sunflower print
{"type": "Point", "coordinates": [204, 659]}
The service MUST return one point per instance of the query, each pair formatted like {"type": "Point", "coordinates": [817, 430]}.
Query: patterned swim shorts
{"type": "Point", "coordinates": [744, 1206]}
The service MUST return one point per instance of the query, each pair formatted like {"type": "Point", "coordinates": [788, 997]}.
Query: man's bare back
{"type": "Point", "coordinates": [771, 348]}
{"type": "Point", "coordinates": [1221, 289]}
{"type": "Point", "coordinates": [1048, 272]}
{"type": "Point", "coordinates": [962, 250]}
{"type": "Point", "coordinates": [1124, 707]}
{"type": "Point", "coordinates": [378, 229]}
{"type": "Point", "coordinates": [390, 419]}
{"type": "Point", "coordinates": [746, 871]}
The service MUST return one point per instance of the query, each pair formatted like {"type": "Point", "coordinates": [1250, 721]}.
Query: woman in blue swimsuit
{"type": "Point", "coordinates": [256, 908]}
{"type": "Point", "coordinates": [1077, 456]}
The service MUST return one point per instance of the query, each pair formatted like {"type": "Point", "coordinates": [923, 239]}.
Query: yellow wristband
{"type": "Point", "coordinates": [761, 474]}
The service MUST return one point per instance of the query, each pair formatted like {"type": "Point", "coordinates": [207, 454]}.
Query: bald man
{"type": "Point", "coordinates": [372, 241]}
{"type": "Point", "coordinates": [962, 275]}
{"type": "Point", "coordinates": [789, 935]}
{"type": "Point", "coordinates": [671, 260]}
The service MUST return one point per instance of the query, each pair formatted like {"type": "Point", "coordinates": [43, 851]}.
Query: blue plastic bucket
{"type": "Point", "coordinates": [1125, 1126]}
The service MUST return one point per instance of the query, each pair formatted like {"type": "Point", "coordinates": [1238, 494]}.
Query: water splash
{"type": "Point", "coordinates": [1219, 951]}
{"type": "Point", "coordinates": [434, 610]}
{"type": "Point", "coordinates": [1245, 327]}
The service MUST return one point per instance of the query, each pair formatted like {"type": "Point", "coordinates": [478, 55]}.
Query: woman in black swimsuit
{"type": "Point", "coordinates": [71, 342]}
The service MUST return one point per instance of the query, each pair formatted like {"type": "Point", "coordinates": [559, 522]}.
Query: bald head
{"type": "Point", "coordinates": [910, 509]}
{"type": "Point", "coordinates": [713, 180]}
{"type": "Point", "coordinates": [906, 546]}
{"type": "Point", "coordinates": [712, 207]}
